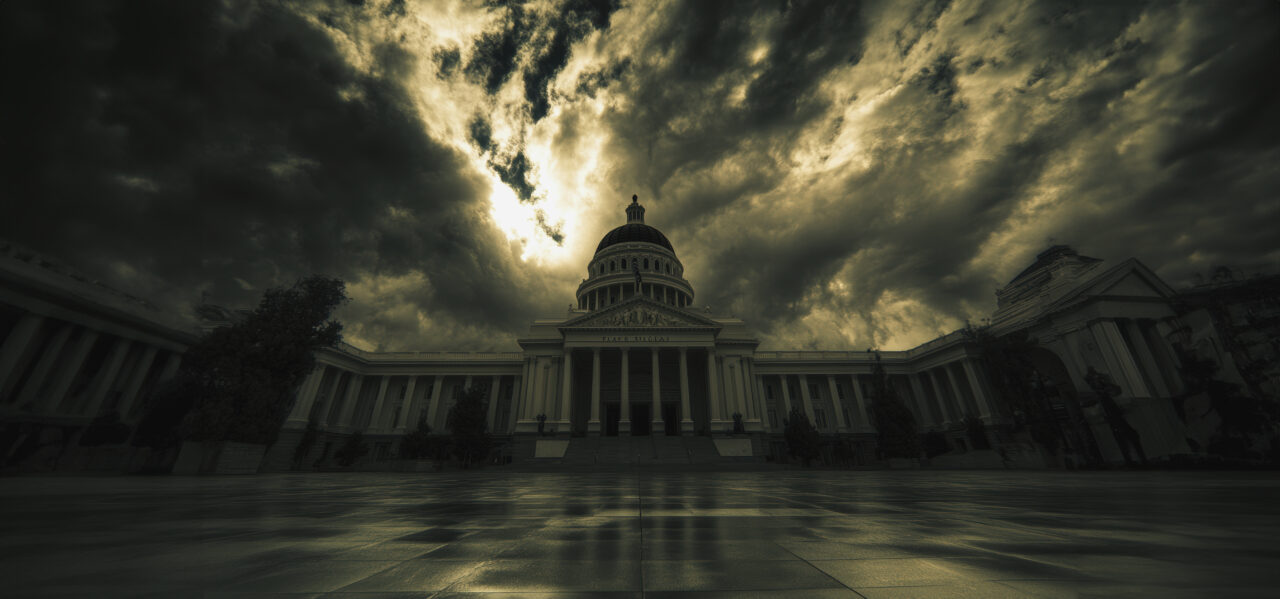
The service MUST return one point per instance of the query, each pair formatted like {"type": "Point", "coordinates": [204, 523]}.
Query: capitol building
{"type": "Point", "coordinates": [634, 357]}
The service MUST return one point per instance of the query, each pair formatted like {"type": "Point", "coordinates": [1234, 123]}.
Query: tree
{"type": "Point", "coordinates": [895, 424]}
{"type": "Point", "coordinates": [239, 381]}
{"type": "Point", "coordinates": [803, 441]}
{"type": "Point", "coordinates": [467, 423]}
{"type": "Point", "coordinates": [354, 449]}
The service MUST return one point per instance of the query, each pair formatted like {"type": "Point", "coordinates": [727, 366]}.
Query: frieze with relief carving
{"type": "Point", "coordinates": [638, 316]}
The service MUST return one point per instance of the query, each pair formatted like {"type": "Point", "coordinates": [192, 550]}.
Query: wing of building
{"type": "Point", "coordinates": [635, 356]}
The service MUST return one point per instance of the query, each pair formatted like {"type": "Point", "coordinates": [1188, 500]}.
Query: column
{"type": "Point", "coordinates": [70, 368]}
{"type": "Point", "coordinates": [808, 402]}
{"type": "Point", "coordinates": [106, 377]}
{"type": "Point", "coordinates": [927, 417]}
{"type": "Point", "coordinates": [433, 401]}
{"type": "Point", "coordinates": [466, 383]}
{"type": "Point", "coordinates": [686, 416]}
{"type": "Point", "coordinates": [350, 401]}
{"type": "Point", "coordinates": [979, 392]}
{"type": "Point", "coordinates": [15, 345]}
{"type": "Point", "coordinates": [301, 401]}
{"type": "Point", "coordinates": [960, 403]}
{"type": "Point", "coordinates": [655, 416]}
{"type": "Point", "coordinates": [136, 379]}
{"type": "Point", "coordinates": [836, 404]}
{"type": "Point", "coordinates": [516, 384]}
{"type": "Point", "coordinates": [593, 425]}
{"type": "Point", "coordinates": [1124, 371]}
{"type": "Point", "coordinates": [624, 422]}
{"type": "Point", "coordinates": [521, 408]}
{"type": "Point", "coordinates": [941, 400]}
{"type": "Point", "coordinates": [786, 395]}
{"type": "Point", "coordinates": [1146, 359]}
{"type": "Point", "coordinates": [375, 420]}
{"type": "Point", "coordinates": [713, 390]}
{"type": "Point", "coordinates": [331, 397]}
{"type": "Point", "coordinates": [566, 389]}
{"type": "Point", "coordinates": [493, 403]}
{"type": "Point", "coordinates": [406, 410]}
{"type": "Point", "coordinates": [48, 359]}
{"type": "Point", "coordinates": [864, 421]}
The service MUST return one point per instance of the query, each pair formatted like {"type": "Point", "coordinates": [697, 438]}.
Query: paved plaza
{"type": "Point", "coordinates": [751, 534]}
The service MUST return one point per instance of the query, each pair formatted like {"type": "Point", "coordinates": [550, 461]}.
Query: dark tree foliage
{"type": "Point", "coordinates": [803, 440]}
{"type": "Point", "coordinates": [238, 382]}
{"type": "Point", "coordinates": [1245, 418]}
{"type": "Point", "coordinates": [894, 422]}
{"type": "Point", "coordinates": [1019, 387]}
{"type": "Point", "coordinates": [161, 422]}
{"type": "Point", "coordinates": [105, 430]}
{"type": "Point", "coordinates": [353, 449]}
{"type": "Point", "coordinates": [935, 444]}
{"type": "Point", "coordinates": [977, 432]}
{"type": "Point", "coordinates": [468, 423]}
{"type": "Point", "coordinates": [418, 444]}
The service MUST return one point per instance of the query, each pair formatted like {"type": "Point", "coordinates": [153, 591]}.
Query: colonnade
{"type": "Point", "coordinates": [55, 367]}
{"type": "Point", "coordinates": [607, 295]}
{"type": "Point", "coordinates": [940, 396]}
{"type": "Point", "coordinates": [343, 400]}
{"type": "Point", "coordinates": [726, 387]}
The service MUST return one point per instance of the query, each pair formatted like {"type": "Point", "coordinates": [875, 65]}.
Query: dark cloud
{"type": "Point", "coordinates": [839, 174]}
{"type": "Point", "coordinates": [200, 144]}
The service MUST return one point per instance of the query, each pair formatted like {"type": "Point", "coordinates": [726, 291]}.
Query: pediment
{"type": "Point", "coordinates": [640, 313]}
{"type": "Point", "coordinates": [1130, 279]}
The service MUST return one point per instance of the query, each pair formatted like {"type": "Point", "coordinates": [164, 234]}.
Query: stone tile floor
{"type": "Point", "coordinates": [503, 534]}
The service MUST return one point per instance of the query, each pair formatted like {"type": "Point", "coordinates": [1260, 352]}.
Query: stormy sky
{"type": "Point", "coordinates": [841, 175]}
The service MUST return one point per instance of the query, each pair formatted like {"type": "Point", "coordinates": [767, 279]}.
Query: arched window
{"type": "Point", "coordinates": [646, 264]}
{"type": "Point", "coordinates": [613, 266]}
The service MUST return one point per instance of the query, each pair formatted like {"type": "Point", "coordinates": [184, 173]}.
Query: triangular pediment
{"type": "Point", "coordinates": [1129, 279]}
{"type": "Point", "coordinates": [640, 313]}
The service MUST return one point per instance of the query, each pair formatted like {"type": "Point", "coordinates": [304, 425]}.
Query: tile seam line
{"type": "Point", "coordinates": [824, 572]}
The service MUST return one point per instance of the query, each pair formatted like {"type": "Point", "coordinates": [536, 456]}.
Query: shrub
{"type": "Point", "coordinates": [803, 441]}
{"type": "Point", "coordinates": [351, 451]}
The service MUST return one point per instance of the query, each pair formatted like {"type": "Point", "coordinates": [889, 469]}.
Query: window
{"type": "Point", "coordinates": [847, 419]}
{"type": "Point", "coordinates": [820, 418]}
{"type": "Point", "coordinates": [613, 266]}
{"type": "Point", "coordinates": [773, 419]}
{"type": "Point", "coordinates": [813, 391]}
{"type": "Point", "coordinates": [646, 264]}
{"type": "Point", "coordinates": [768, 392]}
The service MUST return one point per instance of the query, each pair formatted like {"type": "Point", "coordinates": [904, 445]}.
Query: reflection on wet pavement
{"type": "Point", "coordinates": [744, 534]}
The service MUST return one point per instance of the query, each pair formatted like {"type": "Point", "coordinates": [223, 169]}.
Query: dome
{"type": "Point", "coordinates": [634, 232]}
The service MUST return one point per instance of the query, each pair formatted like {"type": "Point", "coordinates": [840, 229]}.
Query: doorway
{"type": "Point", "coordinates": [640, 424]}
{"type": "Point", "coordinates": [611, 413]}
{"type": "Point", "coordinates": [671, 419]}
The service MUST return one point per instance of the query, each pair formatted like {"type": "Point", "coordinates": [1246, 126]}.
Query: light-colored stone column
{"type": "Point", "coordinates": [566, 390]}
{"type": "Point", "coordinates": [434, 401]}
{"type": "Point", "coordinates": [493, 403]}
{"type": "Point", "coordinates": [957, 392]}
{"type": "Point", "coordinates": [303, 399]}
{"type": "Point", "coordinates": [136, 379]}
{"type": "Point", "coordinates": [713, 389]}
{"type": "Point", "coordinates": [512, 413]}
{"type": "Point", "coordinates": [655, 416]}
{"type": "Point", "coordinates": [106, 377]}
{"type": "Point", "coordinates": [521, 409]}
{"type": "Point", "coordinates": [927, 417]}
{"type": "Point", "coordinates": [624, 420]}
{"type": "Point", "coordinates": [1146, 359]}
{"type": "Point", "coordinates": [70, 368]}
{"type": "Point", "coordinates": [786, 395]}
{"type": "Point", "coordinates": [686, 416]}
{"type": "Point", "coordinates": [15, 345]}
{"type": "Point", "coordinates": [593, 425]}
{"type": "Point", "coordinates": [836, 404]}
{"type": "Point", "coordinates": [1124, 370]}
{"type": "Point", "coordinates": [979, 391]}
{"type": "Point", "coordinates": [403, 420]}
{"type": "Point", "coordinates": [808, 401]}
{"type": "Point", "coordinates": [350, 401]}
{"type": "Point", "coordinates": [331, 397]}
{"type": "Point", "coordinates": [375, 418]}
{"type": "Point", "coordinates": [944, 403]}
{"type": "Point", "coordinates": [860, 400]}
{"type": "Point", "coordinates": [48, 360]}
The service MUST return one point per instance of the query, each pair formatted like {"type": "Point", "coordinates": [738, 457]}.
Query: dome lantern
{"type": "Point", "coordinates": [635, 212]}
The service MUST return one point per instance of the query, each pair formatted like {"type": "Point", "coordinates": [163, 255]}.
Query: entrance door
{"type": "Point", "coordinates": [640, 425]}
{"type": "Point", "coordinates": [611, 413]}
{"type": "Point", "coordinates": [671, 418]}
